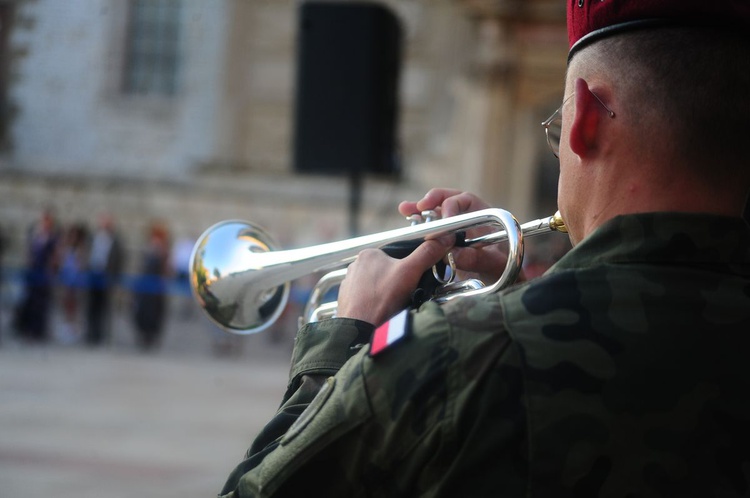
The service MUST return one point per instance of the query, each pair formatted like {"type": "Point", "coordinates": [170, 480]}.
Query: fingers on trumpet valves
{"type": "Point", "coordinates": [423, 217]}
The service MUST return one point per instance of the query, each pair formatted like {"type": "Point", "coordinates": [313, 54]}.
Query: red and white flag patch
{"type": "Point", "coordinates": [390, 332]}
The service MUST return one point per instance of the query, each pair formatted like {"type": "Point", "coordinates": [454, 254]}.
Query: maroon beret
{"type": "Point", "coordinates": [591, 20]}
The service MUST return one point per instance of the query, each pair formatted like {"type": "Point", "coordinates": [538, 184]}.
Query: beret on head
{"type": "Point", "coordinates": [591, 20]}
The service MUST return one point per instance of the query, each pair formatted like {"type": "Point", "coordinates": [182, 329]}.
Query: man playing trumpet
{"type": "Point", "coordinates": [623, 371]}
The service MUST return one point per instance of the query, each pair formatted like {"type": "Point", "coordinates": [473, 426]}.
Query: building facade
{"type": "Point", "coordinates": [183, 110]}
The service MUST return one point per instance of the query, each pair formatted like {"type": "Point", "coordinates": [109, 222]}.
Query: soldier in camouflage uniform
{"type": "Point", "coordinates": [624, 370]}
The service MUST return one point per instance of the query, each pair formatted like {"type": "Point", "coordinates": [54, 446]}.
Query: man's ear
{"type": "Point", "coordinates": [584, 130]}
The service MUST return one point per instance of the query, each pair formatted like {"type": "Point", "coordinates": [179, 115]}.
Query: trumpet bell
{"type": "Point", "coordinates": [221, 261]}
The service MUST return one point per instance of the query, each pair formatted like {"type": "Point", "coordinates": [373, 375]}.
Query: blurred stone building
{"type": "Point", "coordinates": [208, 136]}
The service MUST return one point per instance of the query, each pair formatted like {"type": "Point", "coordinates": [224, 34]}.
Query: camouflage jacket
{"type": "Point", "coordinates": [623, 371]}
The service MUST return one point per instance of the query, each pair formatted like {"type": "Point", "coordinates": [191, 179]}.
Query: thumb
{"type": "Point", "coordinates": [426, 255]}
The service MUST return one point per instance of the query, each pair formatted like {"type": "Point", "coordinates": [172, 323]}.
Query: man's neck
{"type": "Point", "coordinates": [653, 189]}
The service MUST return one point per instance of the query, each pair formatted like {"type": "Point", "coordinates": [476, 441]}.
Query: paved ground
{"type": "Point", "coordinates": [114, 422]}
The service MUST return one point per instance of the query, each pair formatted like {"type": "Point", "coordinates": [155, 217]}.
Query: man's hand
{"type": "Point", "coordinates": [377, 286]}
{"type": "Point", "coordinates": [487, 263]}
{"type": "Point", "coordinates": [447, 202]}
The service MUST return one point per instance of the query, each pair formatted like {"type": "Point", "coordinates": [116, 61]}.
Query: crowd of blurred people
{"type": "Point", "coordinates": [79, 270]}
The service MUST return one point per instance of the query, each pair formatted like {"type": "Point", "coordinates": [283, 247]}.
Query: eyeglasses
{"type": "Point", "coordinates": [553, 124]}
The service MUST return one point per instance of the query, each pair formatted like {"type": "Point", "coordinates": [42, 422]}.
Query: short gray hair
{"type": "Point", "coordinates": [687, 85]}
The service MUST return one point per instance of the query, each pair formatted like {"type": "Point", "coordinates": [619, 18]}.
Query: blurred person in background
{"type": "Point", "coordinates": [623, 370]}
{"type": "Point", "coordinates": [31, 319]}
{"type": "Point", "coordinates": [150, 292]}
{"type": "Point", "coordinates": [72, 279]}
{"type": "Point", "coordinates": [105, 265]}
{"type": "Point", "coordinates": [180, 259]}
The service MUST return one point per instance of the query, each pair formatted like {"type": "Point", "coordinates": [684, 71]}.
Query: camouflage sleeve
{"type": "Point", "coordinates": [436, 414]}
{"type": "Point", "coordinates": [320, 349]}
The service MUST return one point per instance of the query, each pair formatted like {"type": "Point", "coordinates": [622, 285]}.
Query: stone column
{"type": "Point", "coordinates": [518, 63]}
{"type": "Point", "coordinates": [493, 79]}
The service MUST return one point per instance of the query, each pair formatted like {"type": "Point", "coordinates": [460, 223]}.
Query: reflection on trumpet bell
{"type": "Point", "coordinates": [242, 282]}
{"type": "Point", "coordinates": [217, 264]}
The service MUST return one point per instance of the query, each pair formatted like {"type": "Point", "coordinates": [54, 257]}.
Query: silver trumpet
{"type": "Point", "coordinates": [242, 282]}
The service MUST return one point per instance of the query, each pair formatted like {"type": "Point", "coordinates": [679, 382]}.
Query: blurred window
{"type": "Point", "coordinates": [152, 47]}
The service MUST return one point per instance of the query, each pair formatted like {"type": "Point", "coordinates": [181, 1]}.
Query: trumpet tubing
{"type": "Point", "coordinates": [242, 282]}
